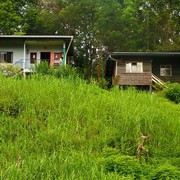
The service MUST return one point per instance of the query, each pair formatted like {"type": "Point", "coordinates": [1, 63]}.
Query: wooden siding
{"type": "Point", "coordinates": [121, 65]}
{"type": "Point", "coordinates": [151, 64]}
{"type": "Point", "coordinates": [134, 78]}
{"type": "Point", "coordinates": [174, 62]}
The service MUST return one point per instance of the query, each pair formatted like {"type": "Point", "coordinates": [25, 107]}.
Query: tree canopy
{"type": "Point", "coordinates": [98, 26]}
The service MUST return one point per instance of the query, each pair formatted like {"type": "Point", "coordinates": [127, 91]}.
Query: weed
{"type": "Point", "coordinates": [61, 126]}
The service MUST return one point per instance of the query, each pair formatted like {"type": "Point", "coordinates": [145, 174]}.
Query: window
{"type": "Point", "coordinates": [6, 57]}
{"type": "Point", "coordinates": [33, 57]}
{"type": "Point", "coordinates": [134, 67]}
{"type": "Point", "coordinates": [57, 58]}
{"type": "Point", "coordinates": [165, 70]}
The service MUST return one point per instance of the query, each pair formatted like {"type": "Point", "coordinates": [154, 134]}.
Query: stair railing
{"type": "Point", "coordinates": [157, 80]}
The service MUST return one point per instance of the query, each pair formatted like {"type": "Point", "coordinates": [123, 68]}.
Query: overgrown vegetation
{"type": "Point", "coordinates": [172, 92]}
{"type": "Point", "coordinates": [10, 70]}
{"type": "Point", "coordinates": [98, 26]}
{"type": "Point", "coordinates": [64, 128]}
{"type": "Point", "coordinates": [59, 72]}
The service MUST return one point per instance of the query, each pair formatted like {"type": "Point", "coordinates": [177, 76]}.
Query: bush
{"type": "Point", "coordinates": [159, 87]}
{"type": "Point", "coordinates": [124, 165]}
{"type": "Point", "coordinates": [10, 70]}
{"type": "Point", "coordinates": [103, 83]}
{"type": "Point", "coordinates": [65, 72]}
{"type": "Point", "coordinates": [166, 172]}
{"type": "Point", "coordinates": [173, 92]}
{"type": "Point", "coordinates": [59, 72]}
{"type": "Point", "coordinates": [43, 68]}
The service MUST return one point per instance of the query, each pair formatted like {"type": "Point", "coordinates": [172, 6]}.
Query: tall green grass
{"type": "Point", "coordinates": [61, 128]}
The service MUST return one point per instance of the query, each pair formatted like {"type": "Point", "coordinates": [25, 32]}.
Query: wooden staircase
{"type": "Point", "coordinates": [157, 83]}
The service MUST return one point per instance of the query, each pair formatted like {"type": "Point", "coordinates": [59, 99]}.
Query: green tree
{"type": "Point", "coordinates": [158, 24]}
{"type": "Point", "coordinates": [78, 18]}
{"type": "Point", "coordinates": [12, 16]}
{"type": "Point", "coordinates": [116, 25]}
{"type": "Point", "coordinates": [97, 25]}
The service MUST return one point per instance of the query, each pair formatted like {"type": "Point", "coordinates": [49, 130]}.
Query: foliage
{"type": "Point", "coordinates": [97, 26]}
{"type": "Point", "coordinates": [165, 172]}
{"type": "Point", "coordinates": [43, 68]}
{"type": "Point", "coordinates": [160, 87]}
{"type": "Point", "coordinates": [10, 70]}
{"type": "Point", "coordinates": [103, 83]}
{"type": "Point", "coordinates": [172, 92]}
{"type": "Point", "coordinates": [12, 15]}
{"type": "Point", "coordinates": [59, 72]}
{"type": "Point", "coordinates": [66, 72]}
{"type": "Point", "coordinates": [122, 164]}
{"type": "Point", "coordinates": [64, 128]}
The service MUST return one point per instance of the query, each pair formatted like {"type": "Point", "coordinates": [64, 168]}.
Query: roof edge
{"type": "Point", "coordinates": [36, 36]}
{"type": "Point", "coordinates": [144, 54]}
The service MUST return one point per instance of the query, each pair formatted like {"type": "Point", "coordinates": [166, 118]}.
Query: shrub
{"type": "Point", "coordinates": [10, 70]}
{"type": "Point", "coordinates": [103, 83]}
{"type": "Point", "coordinates": [173, 92]}
{"type": "Point", "coordinates": [59, 72]}
{"type": "Point", "coordinates": [65, 72]}
{"type": "Point", "coordinates": [43, 68]}
{"type": "Point", "coordinates": [159, 87]}
{"type": "Point", "coordinates": [166, 172]}
{"type": "Point", "coordinates": [122, 164]}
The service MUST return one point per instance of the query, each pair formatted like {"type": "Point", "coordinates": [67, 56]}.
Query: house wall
{"type": "Point", "coordinates": [13, 46]}
{"type": "Point", "coordinates": [41, 48]}
{"type": "Point", "coordinates": [17, 47]}
{"type": "Point", "coordinates": [135, 79]}
{"type": "Point", "coordinates": [174, 62]}
{"type": "Point", "coordinates": [121, 65]}
{"type": "Point", "coordinates": [143, 78]}
{"type": "Point", "coordinates": [151, 64]}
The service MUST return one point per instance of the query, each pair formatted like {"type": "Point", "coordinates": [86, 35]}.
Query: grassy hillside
{"type": "Point", "coordinates": [66, 129]}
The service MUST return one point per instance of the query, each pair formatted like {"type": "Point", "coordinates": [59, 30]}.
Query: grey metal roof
{"type": "Point", "coordinates": [53, 38]}
{"type": "Point", "coordinates": [149, 54]}
{"type": "Point", "coordinates": [34, 37]}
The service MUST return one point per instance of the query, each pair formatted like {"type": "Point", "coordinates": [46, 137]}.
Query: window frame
{"type": "Point", "coordinates": [166, 67]}
{"type": "Point", "coordinates": [6, 56]}
{"type": "Point", "coordinates": [58, 56]}
{"type": "Point", "coordinates": [131, 66]}
{"type": "Point", "coordinates": [32, 60]}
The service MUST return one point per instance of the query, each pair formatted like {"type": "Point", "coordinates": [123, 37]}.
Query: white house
{"type": "Point", "coordinates": [24, 51]}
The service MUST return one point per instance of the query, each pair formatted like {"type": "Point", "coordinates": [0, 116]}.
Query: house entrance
{"type": "Point", "coordinates": [45, 56]}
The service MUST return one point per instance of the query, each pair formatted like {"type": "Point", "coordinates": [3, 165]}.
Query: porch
{"type": "Point", "coordinates": [28, 66]}
{"type": "Point", "coordinates": [139, 79]}
{"type": "Point", "coordinates": [135, 79]}
{"type": "Point", "coordinates": [24, 51]}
